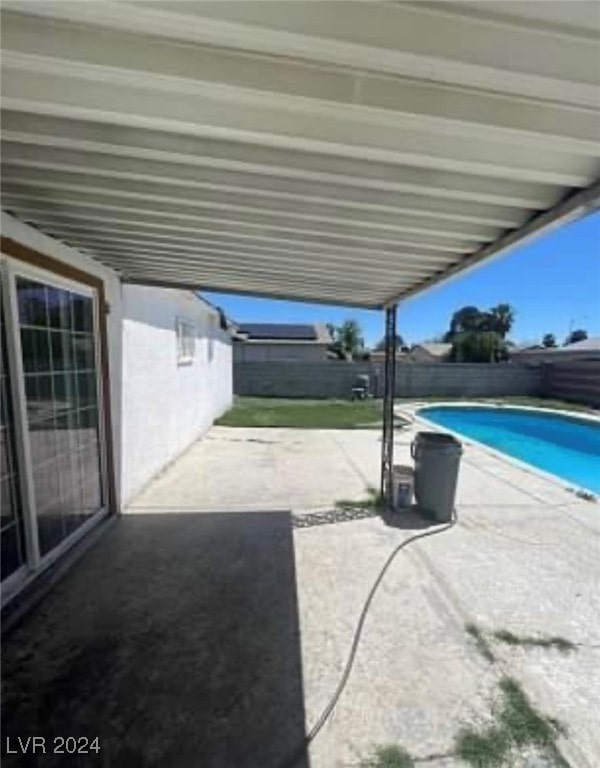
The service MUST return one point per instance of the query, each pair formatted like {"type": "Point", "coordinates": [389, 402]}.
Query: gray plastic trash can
{"type": "Point", "coordinates": [437, 459]}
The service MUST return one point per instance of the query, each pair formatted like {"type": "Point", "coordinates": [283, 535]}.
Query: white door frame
{"type": "Point", "coordinates": [35, 562]}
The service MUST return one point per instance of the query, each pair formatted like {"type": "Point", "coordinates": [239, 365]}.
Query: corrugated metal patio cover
{"type": "Point", "coordinates": [348, 152]}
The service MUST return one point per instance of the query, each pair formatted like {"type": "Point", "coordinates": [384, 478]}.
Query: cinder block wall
{"type": "Point", "coordinates": [263, 353]}
{"type": "Point", "coordinates": [576, 380]}
{"type": "Point", "coordinates": [336, 379]}
{"type": "Point", "coordinates": [466, 380]}
{"type": "Point", "coordinates": [290, 379]}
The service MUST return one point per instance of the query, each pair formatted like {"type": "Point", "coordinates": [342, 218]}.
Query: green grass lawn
{"type": "Point", "coordinates": [343, 414]}
{"type": "Point", "coordinates": [305, 414]}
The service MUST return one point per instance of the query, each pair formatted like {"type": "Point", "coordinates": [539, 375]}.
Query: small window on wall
{"type": "Point", "coordinates": [186, 342]}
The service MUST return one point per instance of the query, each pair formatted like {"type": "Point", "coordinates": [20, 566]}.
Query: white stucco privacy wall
{"type": "Point", "coordinates": [166, 405]}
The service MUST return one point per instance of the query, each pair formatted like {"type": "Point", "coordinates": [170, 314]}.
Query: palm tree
{"type": "Point", "coordinates": [549, 341]}
{"type": "Point", "coordinates": [578, 335]}
{"type": "Point", "coordinates": [503, 317]}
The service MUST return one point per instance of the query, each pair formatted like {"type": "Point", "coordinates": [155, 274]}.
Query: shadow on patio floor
{"type": "Point", "coordinates": [409, 519]}
{"type": "Point", "coordinates": [175, 640]}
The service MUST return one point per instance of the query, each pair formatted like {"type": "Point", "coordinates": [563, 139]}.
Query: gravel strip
{"type": "Point", "coordinates": [327, 517]}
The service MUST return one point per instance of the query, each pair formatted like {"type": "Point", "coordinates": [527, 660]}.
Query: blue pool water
{"type": "Point", "coordinates": [563, 445]}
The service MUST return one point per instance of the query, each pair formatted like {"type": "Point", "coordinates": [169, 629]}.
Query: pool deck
{"type": "Point", "coordinates": [205, 628]}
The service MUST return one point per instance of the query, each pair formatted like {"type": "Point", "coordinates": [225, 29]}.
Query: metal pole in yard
{"type": "Point", "coordinates": [389, 388]}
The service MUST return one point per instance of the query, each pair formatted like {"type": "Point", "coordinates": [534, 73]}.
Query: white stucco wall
{"type": "Point", "coordinates": [34, 239]}
{"type": "Point", "coordinates": [166, 406]}
{"type": "Point", "coordinates": [158, 407]}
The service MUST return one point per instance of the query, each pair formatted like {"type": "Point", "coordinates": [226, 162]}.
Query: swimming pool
{"type": "Point", "coordinates": [562, 445]}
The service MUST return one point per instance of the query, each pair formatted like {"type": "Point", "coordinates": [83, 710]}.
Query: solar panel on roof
{"type": "Point", "coordinates": [279, 331]}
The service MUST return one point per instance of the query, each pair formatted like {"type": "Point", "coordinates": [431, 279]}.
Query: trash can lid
{"type": "Point", "coordinates": [437, 440]}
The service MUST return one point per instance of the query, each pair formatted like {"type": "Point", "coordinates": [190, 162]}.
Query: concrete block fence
{"type": "Point", "coordinates": [576, 380]}
{"type": "Point", "coordinates": [335, 379]}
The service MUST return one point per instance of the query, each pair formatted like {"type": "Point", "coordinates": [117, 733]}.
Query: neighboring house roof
{"type": "Point", "coordinates": [278, 333]}
{"type": "Point", "coordinates": [435, 349]}
{"type": "Point", "coordinates": [585, 345]}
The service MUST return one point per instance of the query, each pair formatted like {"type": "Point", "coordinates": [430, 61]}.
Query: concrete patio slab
{"type": "Point", "coordinates": [192, 637]}
{"type": "Point", "coordinates": [175, 641]}
{"type": "Point", "coordinates": [252, 468]}
{"type": "Point", "coordinates": [297, 469]}
{"type": "Point", "coordinates": [417, 668]}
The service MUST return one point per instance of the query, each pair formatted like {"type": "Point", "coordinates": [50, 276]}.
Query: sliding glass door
{"type": "Point", "coordinates": [53, 353]}
{"type": "Point", "coordinates": [11, 512]}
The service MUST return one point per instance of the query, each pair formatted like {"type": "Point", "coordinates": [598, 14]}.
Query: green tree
{"type": "Point", "coordinates": [348, 340]}
{"type": "Point", "coordinates": [471, 319]}
{"type": "Point", "coordinates": [463, 320]}
{"type": "Point", "coordinates": [574, 336]}
{"type": "Point", "coordinates": [549, 341]}
{"type": "Point", "coordinates": [478, 347]}
{"type": "Point", "coordinates": [502, 319]}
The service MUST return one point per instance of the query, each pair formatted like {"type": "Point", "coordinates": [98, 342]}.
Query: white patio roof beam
{"type": "Point", "coordinates": [359, 152]}
{"type": "Point", "coordinates": [128, 263]}
{"type": "Point", "coordinates": [172, 66]}
{"type": "Point", "coordinates": [410, 40]}
{"type": "Point", "coordinates": [206, 255]}
{"type": "Point", "coordinates": [224, 226]}
{"type": "Point", "coordinates": [54, 88]}
{"type": "Point", "coordinates": [228, 252]}
{"type": "Point", "coordinates": [231, 207]}
{"type": "Point", "coordinates": [303, 166]}
{"type": "Point", "coordinates": [272, 193]}
{"type": "Point", "coordinates": [201, 279]}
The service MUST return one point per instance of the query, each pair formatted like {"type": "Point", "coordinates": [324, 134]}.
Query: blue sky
{"type": "Point", "coordinates": [553, 283]}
